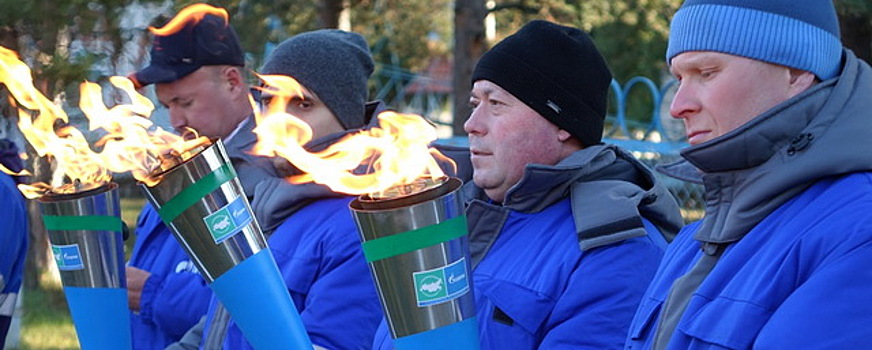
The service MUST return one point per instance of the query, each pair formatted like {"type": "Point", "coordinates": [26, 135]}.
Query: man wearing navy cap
{"type": "Point", "coordinates": [777, 115]}
{"type": "Point", "coordinates": [199, 77]}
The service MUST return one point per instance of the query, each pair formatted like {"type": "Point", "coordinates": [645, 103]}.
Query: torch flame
{"type": "Point", "coordinates": [397, 150]}
{"type": "Point", "coordinates": [129, 145]}
{"type": "Point", "coordinates": [193, 13]}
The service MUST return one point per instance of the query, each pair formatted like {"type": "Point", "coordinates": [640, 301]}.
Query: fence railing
{"type": "Point", "coordinates": [637, 121]}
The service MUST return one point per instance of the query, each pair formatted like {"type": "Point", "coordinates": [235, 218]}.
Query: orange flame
{"type": "Point", "coordinates": [193, 13]}
{"type": "Point", "coordinates": [129, 145]}
{"type": "Point", "coordinates": [398, 150]}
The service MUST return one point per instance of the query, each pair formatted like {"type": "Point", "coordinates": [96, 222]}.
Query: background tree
{"type": "Point", "coordinates": [469, 44]}
{"type": "Point", "coordinates": [856, 26]}
{"type": "Point", "coordinates": [50, 40]}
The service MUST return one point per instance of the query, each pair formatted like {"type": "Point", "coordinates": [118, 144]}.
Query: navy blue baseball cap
{"type": "Point", "coordinates": [201, 39]}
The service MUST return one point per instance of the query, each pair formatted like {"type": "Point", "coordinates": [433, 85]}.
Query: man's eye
{"type": "Point", "coordinates": [304, 104]}
{"type": "Point", "coordinates": [707, 74]}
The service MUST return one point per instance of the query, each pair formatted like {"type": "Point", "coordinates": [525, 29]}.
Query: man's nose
{"type": "Point", "coordinates": [473, 124]}
{"type": "Point", "coordinates": [684, 103]}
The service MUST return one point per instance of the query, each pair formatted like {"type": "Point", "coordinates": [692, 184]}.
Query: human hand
{"type": "Point", "coordinates": [135, 281]}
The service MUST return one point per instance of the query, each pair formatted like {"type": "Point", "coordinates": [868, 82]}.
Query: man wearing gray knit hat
{"type": "Point", "coordinates": [565, 232]}
{"type": "Point", "coordinates": [777, 114]}
{"type": "Point", "coordinates": [334, 65]}
{"type": "Point", "coordinates": [311, 232]}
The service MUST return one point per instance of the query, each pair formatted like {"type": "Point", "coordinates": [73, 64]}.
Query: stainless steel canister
{"type": "Point", "coordinates": [202, 202]}
{"type": "Point", "coordinates": [85, 231]}
{"type": "Point", "coordinates": [417, 248]}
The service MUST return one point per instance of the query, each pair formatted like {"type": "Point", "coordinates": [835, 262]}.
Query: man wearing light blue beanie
{"type": "Point", "coordinates": [777, 114]}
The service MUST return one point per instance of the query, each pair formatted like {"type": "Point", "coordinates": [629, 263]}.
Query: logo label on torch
{"type": "Point", "coordinates": [67, 257]}
{"type": "Point", "coordinates": [441, 284]}
{"type": "Point", "coordinates": [228, 221]}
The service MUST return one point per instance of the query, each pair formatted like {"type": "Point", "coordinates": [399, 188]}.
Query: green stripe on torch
{"type": "Point", "coordinates": [85, 223]}
{"type": "Point", "coordinates": [194, 193]}
{"type": "Point", "coordinates": [401, 243]}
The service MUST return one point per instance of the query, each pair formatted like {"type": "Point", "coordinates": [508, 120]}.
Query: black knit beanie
{"type": "Point", "coordinates": [557, 71]}
{"type": "Point", "coordinates": [332, 63]}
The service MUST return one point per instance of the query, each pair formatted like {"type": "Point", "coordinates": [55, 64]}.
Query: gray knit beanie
{"type": "Point", "coordinates": [332, 63]}
{"type": "Point", "coordinates": [801, 34]}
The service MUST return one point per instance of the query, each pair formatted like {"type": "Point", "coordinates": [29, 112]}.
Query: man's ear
{"type": "Point", "coordinates": [800, 81]}
{"type": "Point", "coordinates": [233, 76]}
{"type": "Point", "coordinates": [563, 135]}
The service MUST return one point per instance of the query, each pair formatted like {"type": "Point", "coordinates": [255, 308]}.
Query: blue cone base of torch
{"type": "Point", "coordinates": [101, 317]}
{"type": "Point", "coordinates": [258, 301]}
{"type": "Point", "coordinates": [462, 335]}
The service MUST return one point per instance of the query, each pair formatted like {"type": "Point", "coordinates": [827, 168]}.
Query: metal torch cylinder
{"type": "Point", "coordinates": [417, 250]}
{"type": "Point", "coordinates": [85, 231]}
{"type": "Point", "coordinates": [202, 202]}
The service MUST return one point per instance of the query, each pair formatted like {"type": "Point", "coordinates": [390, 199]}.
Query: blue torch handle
{"type": "Point", "coordinates": [101, 317]}
{"type": "Point", "coordinates": [462, 335]}
{"type": "Point", "coordinates": [258, 301]}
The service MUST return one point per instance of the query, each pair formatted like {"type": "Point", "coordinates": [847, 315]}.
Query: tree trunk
{"type": "Point", "coordinates": [857, 35]}
{"type": "Point", "coordinates": [469, 44]}
{"type": "Point", "coordinates": [328, 13]}
{"type": "Point", "coordinates": [38, 252]}
{"type": "Point", "coordinates": [38, 256]}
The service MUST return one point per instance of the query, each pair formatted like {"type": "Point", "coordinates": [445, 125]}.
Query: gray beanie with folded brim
{"type": "Point", "coordinates": [332, 63]}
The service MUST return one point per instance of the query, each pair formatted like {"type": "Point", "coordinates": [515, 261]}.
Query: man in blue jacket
{"type": "Point", "coordinates": [311, 232]}
{"type": "Point", "coordinates": [777, 115]}
{"type": "Point", "coordinates": [565, 231]}
{"type": "Point", "coordinates": [199, 77]}
{"type": "Point", "coordinates": [13, 234]}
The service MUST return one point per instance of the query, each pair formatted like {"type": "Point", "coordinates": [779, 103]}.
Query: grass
{"type": "Point", "coordinates": [45, 322]}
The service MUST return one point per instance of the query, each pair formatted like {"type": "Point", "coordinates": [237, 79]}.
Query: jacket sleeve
{"type": "Point", "coordinates": [192, 338]}
{"type": "Point", "coordinates": [175, 302]}
{"type": "Point", "coordinates": [338, 293]}
{"type": "Point", "coordinates": [13, 235]}
{"type": "Point", "coordinates": [597, 307]}
{"type": "Point", "coordinates": [173, 299]}
{"type": "Point", "coordinates": [829, 310]}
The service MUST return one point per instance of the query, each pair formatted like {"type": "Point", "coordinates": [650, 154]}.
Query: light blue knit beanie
{"type": "Point", "coordinates": [801, 34]}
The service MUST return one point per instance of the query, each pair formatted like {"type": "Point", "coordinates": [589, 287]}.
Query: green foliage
{"type": "Point", "coordinates": [42, 30]}
{"type": "Point", "coordinates": [854, 7]}
{"type": "Point", "coordinates": [404, 32]}
{"type": "Point", "coordinates": [631, 34]}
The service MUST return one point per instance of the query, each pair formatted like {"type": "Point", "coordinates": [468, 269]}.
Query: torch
{"type": "Point", "coordinates": [80, 211]}
{"type": "Point", "coordinates": [190, 182]}
{"type": "Point", "coordinates": [414, 238]}
{"type": "Point", "coordinates": [201, 200]}
{"type": "Point", "coordinates": [85, 232]}
{"type": "Point", "coordinates": [408, 213]}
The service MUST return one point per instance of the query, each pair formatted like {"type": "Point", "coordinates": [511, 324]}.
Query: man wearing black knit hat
{"type": "Point", "coordinates": [565, 231]}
